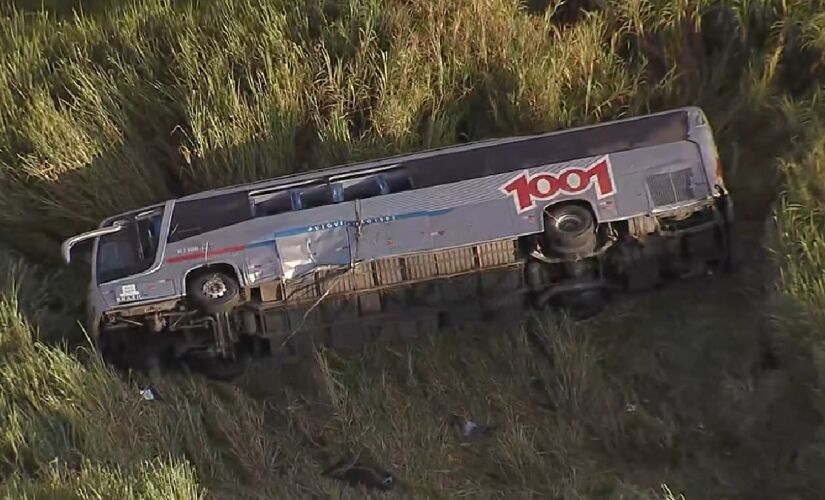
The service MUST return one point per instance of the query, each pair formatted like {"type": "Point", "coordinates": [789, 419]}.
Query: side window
{"type": "Point", "coordinates": [378, 184]}
{"type": "Point", "coordinates": [319, 193]}
{"type": "Point", "coordinates": [194, 217]}
{"type": "Point", "coordinates": [366, 188]}
{"type": "Point", "coordinates": [396, 181]}
{"type": "Point", "coordinates": [148, 230]}
{"type": "Point", "coordinates": [272, 204]}
{"type": "Point", "coordinates": [315, 196]}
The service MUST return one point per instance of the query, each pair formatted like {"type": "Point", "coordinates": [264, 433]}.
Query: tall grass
{"type": "Point", "coordinates": [73, 427]}
{"type": "Point", "coordinates": [101, 113]}
{"type": "Point", "coordinates": [797, 237]}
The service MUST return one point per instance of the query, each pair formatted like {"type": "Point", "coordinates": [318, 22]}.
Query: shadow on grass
{"type": "Point", "coordinates": [740, 390]}
{"type": "Point", "coordinates": [692, 386]}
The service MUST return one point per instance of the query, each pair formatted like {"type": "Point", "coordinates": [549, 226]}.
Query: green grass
{"type": "Point", "coordinates": [705, 389]}
{"type": "Point", "coordinates": [102, 113]}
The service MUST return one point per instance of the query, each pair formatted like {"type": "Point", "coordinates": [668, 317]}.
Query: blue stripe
{"type": "Point", "coordinates": [264, 243]}
{"type": "Point", "coordinates": [423, 213]}
{"type": "Point", "coordinates": [293, 231]}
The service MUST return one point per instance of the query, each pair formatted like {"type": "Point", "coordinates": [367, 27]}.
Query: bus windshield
{"type": "Point", "coordinates": [131, 250]}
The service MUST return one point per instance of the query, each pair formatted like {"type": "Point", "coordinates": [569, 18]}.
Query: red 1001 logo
{"type": "Point", "coordinates": [526, 188]}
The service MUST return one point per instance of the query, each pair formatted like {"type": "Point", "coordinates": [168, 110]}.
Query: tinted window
{"type": "Point", "coordinates": [397, 181]}
{"type": "Point", "coordinates": [278, 203]}
{"type": "Point", "coordinates": [131, 250]}
{"type": "Point", "coordinates": [195, 217]}
{"type": "Point", "coordinates": [377, 184]}
{"type": "Point", "coordinates": [316, 196]}
{"type": "Point", "coordinates": [148, 230]}
{"type": "Point", "coordinates": [366, 188]}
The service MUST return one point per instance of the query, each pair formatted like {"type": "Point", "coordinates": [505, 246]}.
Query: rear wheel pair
{"type": "Point", "coordinates": [570, 232]}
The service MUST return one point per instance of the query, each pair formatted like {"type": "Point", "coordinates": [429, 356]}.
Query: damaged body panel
{"type": "Point", "coordinates": [394, 247]}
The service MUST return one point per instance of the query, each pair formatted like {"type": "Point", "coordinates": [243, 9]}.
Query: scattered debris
{"type": "Point", "coordinates": [470, 429]}
{"type": "Point", "coordinates": [148, 394]}
{"type": "Point", "coordinates": [355, 471]}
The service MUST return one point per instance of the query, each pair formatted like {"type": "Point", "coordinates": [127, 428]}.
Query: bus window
{"type": "Point", "coordinates": [396, 181]}
{"type": "Point", "coordinates": [131, 250]}
{"type": "Point", "coordinates": [376, 184]}
{"type": "Point", "coordinates": [272, 204]}
{"type": "Point", "coordinates": [148, 229]}
{"type": "Point", "coordinates": [194, 217]}
{"type": "Point", "coordinates": [316, 196]}
{"type": "Point", "coordinates": [361, 188]}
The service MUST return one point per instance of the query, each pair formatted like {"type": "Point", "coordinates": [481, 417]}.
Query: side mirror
{"type": "Point", "coordinates": [66, 247]}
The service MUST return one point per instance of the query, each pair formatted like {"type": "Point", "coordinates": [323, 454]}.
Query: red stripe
{"type": "Point", "coordinates": [236, 248]}
{"type": "Point", "coordinates": [186, 256]}
{"type": "Point", "coordinates": [202, 254]}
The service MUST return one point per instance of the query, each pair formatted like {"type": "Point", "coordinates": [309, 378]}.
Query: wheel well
{"type": "Point", "coordinates": [599, 233]}
{"type": "Point", "coordinates": [223, 267]}
{"type": "Point", "coordinates": [582, 203]}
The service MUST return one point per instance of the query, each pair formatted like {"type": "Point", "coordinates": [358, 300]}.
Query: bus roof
{"type": "Point", "coordinates": [487, 157]}
{"type": "Point", "coordinates": [462, 161]}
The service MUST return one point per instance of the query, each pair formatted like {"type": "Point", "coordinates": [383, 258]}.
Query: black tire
{"type": "Point", "coordinates": [570, 229]}
{"type": "Point", "coordinates": [213, 291]}
{"type": "Point", "coordinates": [585, 305]}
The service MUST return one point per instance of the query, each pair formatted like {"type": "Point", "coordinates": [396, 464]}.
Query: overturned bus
{"type": "Point", "coordinates": [392, 248]}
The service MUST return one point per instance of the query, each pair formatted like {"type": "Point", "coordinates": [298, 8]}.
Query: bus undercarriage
{"type": "Point", "coordinates": [407, 296]}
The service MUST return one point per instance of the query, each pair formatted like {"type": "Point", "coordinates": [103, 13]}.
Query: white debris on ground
{"type": "Point", "coordinates": [147, 394]}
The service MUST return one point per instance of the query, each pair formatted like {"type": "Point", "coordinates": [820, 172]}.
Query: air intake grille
{"type": "Point", "coordinates": [670, 187]}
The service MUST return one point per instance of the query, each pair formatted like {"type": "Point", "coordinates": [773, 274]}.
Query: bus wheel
{"type": "Point", "coordinates": [570, 229]}
{"type": "Point", "coordinates": [214, 291]}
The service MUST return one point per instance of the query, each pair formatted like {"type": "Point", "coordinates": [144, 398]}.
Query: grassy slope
{"type": "Point", "coordinates": [704, 386]}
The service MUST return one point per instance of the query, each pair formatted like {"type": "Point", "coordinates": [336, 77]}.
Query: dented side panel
{"type": "Point", "coordinates": [319, 248]}
{"type": "Point", "coordinates": [262, 262]}
{"type": "Point", "coordinates": [382, 235]}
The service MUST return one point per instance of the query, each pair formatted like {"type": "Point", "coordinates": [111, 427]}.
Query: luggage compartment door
{"type": "Point", "coordinates": [324, 242]}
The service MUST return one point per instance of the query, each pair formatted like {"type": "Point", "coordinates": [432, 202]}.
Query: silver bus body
{"type": "Point", "coordinates": [329, 256]}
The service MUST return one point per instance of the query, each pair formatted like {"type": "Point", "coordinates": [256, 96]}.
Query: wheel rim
{"type": "Point", "coordinates": [570, 223]}
{"type": "Point", "coordinates": [214, 288]}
